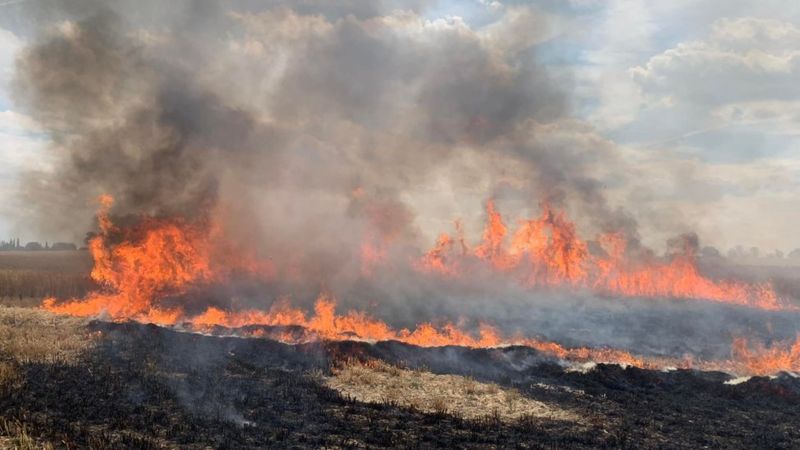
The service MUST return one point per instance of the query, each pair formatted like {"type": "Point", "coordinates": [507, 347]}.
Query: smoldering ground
{"type": "Point", "coordinates": [310, 127]}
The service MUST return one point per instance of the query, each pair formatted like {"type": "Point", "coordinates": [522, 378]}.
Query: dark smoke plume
{"type": "Point", "coordinates": [227, 102]}
{"type": "Point", "coordinates": [316, 124]}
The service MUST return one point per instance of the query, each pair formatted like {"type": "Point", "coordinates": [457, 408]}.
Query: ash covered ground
{"type": "Point", "coordinates": [102, 385]}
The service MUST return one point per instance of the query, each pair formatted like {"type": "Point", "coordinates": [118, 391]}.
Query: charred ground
{"type": "Point", "coordinates": [138, 386]}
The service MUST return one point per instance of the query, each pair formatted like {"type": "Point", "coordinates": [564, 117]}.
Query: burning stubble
{"type": "Point", "coordinates": [271, 153]}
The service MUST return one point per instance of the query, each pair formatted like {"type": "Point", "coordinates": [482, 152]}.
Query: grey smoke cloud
{"type": "Point", "coordinates": [316, 125]}
{"type": "Point", "coordinates": [229, 102]}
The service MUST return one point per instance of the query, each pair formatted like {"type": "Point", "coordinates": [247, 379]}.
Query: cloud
{"type": "Point", "coordinates": [22, 149]}
{"type": "Point", "coordinates": [742, 59]}
{"type": "Point", "coordinates": [9, 46]}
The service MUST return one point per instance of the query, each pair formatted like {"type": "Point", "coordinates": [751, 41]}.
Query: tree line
{"type": "Point", "coordinates": [14, 244]}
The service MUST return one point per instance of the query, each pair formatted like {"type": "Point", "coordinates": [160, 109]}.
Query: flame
{"type": "Point", "coordinates": [437, 259]}
{"type": "Point", "coordinates": [759, 359]}
{"type": "Point", "coordinates": [156, 259]}
{"type": "Point", "coordinates": [326, 324]}
{"type": "Point", "coordinates": [373, 254]}
{"type": "Point", "coordinates": [547, 252]}
{"type": "Point", "coordinates": [140, 266]}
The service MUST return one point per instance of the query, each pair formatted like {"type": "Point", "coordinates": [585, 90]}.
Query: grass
{"type": "Point", "coordinates": [17, 285]}
{"type": "Point", "coordinates": [10, 376]}
{"type": "Point", "coordinates": [379, 382]}
{"type": "Point", "coordinates": [31, 335]}
{"type": "Point", "coordinates": [146, 387]}
{"type": "Point", "coordinates": [14, 435]}
{"type": "Point", "coordinates": [140, 386]}
{"type": "Point", "coordinates": [66, 384]}
{"type": "Point", "coordinates": [28, 277]}
{"type": "Point", "coordinates": [64, 262]}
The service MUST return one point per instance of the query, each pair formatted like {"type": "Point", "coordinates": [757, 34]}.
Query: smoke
{"type": "Point", "coordinates": [316, 130]}
{"type": "Point", "coordinates": [233, 103]}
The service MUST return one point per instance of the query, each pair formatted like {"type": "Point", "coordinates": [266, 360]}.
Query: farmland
{"type": "Point", "coordinates": [26, 277]}
{"type": "Point", "coordinates": [79, 383]}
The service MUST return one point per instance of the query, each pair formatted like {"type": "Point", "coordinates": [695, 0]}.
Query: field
{"type": "Point", "coordinates": [26, 277]}
{"type": "Point", "coordinates": [73, 383]}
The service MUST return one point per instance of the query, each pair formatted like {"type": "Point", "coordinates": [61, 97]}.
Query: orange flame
{"type": "Point", "coordinates": [548, 252]}
{"type": "Point", "coordinates": [373, 254]}
{"type": "Point", "coordinates": [759, 359]}
{"type": "Point", "coordinates": [138, 267]}
{"type": "Point", "coordinates": [326, 324]}
{"type": "Point", "coordinates": [156, 259]}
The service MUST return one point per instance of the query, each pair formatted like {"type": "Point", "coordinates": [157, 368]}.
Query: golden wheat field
{"type": "Point", "coordinates": [26, 277]}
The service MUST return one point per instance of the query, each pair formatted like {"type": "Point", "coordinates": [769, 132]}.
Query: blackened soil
{"type": "Point", "coordinates": [148, 387]}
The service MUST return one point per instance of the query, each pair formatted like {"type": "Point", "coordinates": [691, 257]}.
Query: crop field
{"type": "Point", "coordinates": [73, 383]}
{"type": "Point", "coordinates": [69, 383]}
{"type": "Point", "coordinates": [27, 277]}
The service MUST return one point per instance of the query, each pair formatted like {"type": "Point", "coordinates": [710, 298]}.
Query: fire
{"type": "Point", "coordinates": [437, 259]}
{"type": "Point", "coordinates": [156, 259]}
{"type": "Point", "coordinates": [140, 268]}
{"type": "Point", "coordinates": [547, 252]}
{"type": "Point", "coordinates": [325, 323]}
{"type": "Point", "coordinates": [759, 359]}
{"type": "Point", "coordinates": [373, 254]}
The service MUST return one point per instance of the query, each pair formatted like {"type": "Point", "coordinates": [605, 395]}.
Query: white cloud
{"type": "Point", "coordinates": [519, 29]}
{"type": "Point", "coordinates": [10, 44]}
{"type": "Point", "coordinates": [742, 59]}
{"type": "Point", "coordinates": [22, 144]}
{"type": "Point", "coordinates": [616, 40]}
{"type": "Point", "coordinates": [22, 148]}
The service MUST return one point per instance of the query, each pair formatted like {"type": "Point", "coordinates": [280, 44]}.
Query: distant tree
{"type": "Point", "coordinates": [737, 252]}
{"type": "Point", "coordinates": [33, 246]}
{"type": "Point", "coordinates": [710, 252]}
{"type": "Point", "coordinates": [63, 246]}
{"type": "Point", "coordinates": [795, 254]}
{"type": "Point", "coordinates": [684, 243]}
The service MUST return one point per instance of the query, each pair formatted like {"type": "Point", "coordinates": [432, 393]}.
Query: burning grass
{"type": "Point", "coordinates": [547, 252]}
{"type": "Point", "coordinates": [378, 382]}
{"type": "Point", "coordinates": [143, 271]}
{"type": "Point", "coordinates": [142, 386]}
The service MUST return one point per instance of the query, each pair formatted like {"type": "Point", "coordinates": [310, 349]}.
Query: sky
{"type": "Point", "coordinates": [701, 99]}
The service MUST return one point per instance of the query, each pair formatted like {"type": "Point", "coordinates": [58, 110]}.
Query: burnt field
{"type": "Point", "coordinates": [399, 224]}
{"type": "Point", "coordinates": [76, 383]}
{"type": "Point", "coordinates": [68, 383]}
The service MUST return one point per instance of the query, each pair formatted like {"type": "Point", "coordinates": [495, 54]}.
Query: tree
{"type": "Point", "coordinates": [63, 246]}
{"type": "Point", "coordinates": [33, 246]}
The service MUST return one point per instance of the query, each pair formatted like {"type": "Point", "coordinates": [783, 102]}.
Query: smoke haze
{"type": "Point", "coordinates": [311, 128]}
{"type": "Point", "coordinates": [206, 104]}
